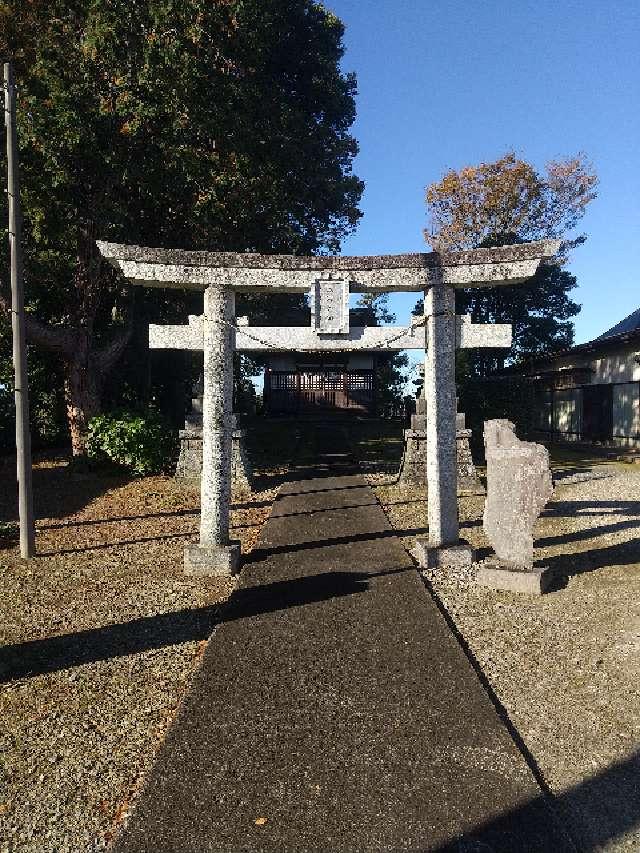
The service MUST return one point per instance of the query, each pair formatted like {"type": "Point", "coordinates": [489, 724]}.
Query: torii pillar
{"type": "Point", "coordinates": [443, 546]}
{"type": "Point", "coordinates": [216, 554]}
{"type": "Point", "coordinates": [440, 400]}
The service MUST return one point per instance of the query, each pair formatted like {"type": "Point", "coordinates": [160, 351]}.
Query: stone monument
{"type": "Point", "coordinates": [413, 468]}
{"type": "Point", "coordinates": [518, 486]}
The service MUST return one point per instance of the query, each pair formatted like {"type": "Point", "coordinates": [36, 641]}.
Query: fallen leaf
{"type": "Point", "coordinates": [260, 821]}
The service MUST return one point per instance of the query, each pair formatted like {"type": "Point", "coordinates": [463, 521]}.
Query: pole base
{"type": "Point", "coordinates": [212, 560]}
{"type": "Point", "coordinates": [437, 556]}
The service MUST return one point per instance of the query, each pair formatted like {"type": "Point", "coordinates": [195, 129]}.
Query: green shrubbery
{"type": "Point", "coordinates": [143, 444]}
{"type": "Point", "coordinates": [9, 533]}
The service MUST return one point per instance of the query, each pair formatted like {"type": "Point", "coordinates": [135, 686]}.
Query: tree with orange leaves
{"type": "Point", "coordinates": [486, 204]}
{"type": "Point", "coordinates": [504, 202]}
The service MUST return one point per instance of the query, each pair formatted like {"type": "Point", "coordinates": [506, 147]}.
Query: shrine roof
{"type": "Point", "coordinates": [629, 324]}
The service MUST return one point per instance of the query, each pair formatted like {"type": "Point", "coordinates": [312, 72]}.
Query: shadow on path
{"type": "Point", "coordinates": [600, 810]}
{"type": "Point", "coordinates": [26, 660]}
{"type": "Point", "coordinates": [621, 554]}
{"type": "Point", "coordinates": [260, 554]}
{"type": "Point", "coordinates": [570, 509]}
{"type": "Point", "coordinates": [57, 491]}
{"type": "Point", "coordinates": [589, 533]}
{"type": "Point", "coordinates": [117, 543]}
{"type": "Point", "coordinates": [94, 522]}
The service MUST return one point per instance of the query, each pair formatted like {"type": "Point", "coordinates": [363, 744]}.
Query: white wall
{"type": "Point", "coordinates": [619, 366]}
{"type": "Point", "coordinates": [620, 369]}
{"type": "Point", "coordinates": [626, 410]}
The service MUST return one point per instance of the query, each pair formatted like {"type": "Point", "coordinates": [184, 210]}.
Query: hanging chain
{"type": "Point", "coordinates": [384, 344]}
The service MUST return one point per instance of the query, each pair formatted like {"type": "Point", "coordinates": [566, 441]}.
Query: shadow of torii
{"type": "Point", "coordinates": [36, 657]}
{"type": "Point", "coordinates": [598, 811]}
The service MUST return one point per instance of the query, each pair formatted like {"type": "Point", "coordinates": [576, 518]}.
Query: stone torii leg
{"type": "Point", "coordinates": [443, 545]}
{"type": "Point", "coordinates": [215, 554]}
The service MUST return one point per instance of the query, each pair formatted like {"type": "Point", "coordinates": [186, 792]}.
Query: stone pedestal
{"type": "Point", "coordinates": [413, 469]}
{"type": "Point", "coordinates": [189, 467]}
{"type": "Point", "coordinates": [212, 560]}
{"type": "Point", "coordinates": [533, 581]}
{"type": "Point", "coordinates": [468, 481]}
{"type": "Point", "coordinates": [241, 472]}
{"type": "Point", "coordinates": [419, 419]}
{"type": "Point", "coordinates": [435, 557]}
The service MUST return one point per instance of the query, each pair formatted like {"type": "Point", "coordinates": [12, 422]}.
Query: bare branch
{"type": "Point", "coordinates": [53, 338]}
{"type": "Point", "coordinates": [56, 339]}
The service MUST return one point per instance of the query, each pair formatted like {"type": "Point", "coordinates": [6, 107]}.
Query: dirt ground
{"type": "Point", "coordinates": [566, 666]}
{"type": "Point", "coordinates": [100, 635]}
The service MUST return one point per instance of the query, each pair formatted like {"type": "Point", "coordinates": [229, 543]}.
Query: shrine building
{"type": "Point", "coordinates": [591, 392]}
{"type": "Point", "coordinates": [322, 383]}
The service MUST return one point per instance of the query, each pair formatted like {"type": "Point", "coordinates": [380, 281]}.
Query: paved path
{"type": "Point", "coordinates": [335, 711]}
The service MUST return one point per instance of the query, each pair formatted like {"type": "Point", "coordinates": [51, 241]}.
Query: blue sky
{"type": "Point", "coordinates": [446, 84]}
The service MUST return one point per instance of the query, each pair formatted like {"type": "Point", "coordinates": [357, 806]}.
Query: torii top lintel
{"type": "Point", "coordinates": [247, 271]}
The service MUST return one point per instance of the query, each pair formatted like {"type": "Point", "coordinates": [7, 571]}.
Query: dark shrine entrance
{"type": "Point", "coordinates": [597, 412]}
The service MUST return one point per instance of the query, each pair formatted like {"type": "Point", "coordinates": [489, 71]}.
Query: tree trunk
{"type": "Point", "coordinates": [85, 366]}
{"type": "Point", "coordinates": [82, 394]}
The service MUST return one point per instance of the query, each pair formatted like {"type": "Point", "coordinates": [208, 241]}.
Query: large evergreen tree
{"type": "Point", "coordinates": [186, 123]}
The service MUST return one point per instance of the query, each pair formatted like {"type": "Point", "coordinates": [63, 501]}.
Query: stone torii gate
{"type": "Point", "coordinates": [329, 280]}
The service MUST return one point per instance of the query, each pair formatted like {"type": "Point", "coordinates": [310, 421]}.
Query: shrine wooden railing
{"type": "Point", "coordinates": [319, 391]}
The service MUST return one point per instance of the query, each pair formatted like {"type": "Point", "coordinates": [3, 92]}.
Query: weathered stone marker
{"type": "Point", "coordinates": [329, 280]}
{"type": "Point", "coordinates": [518, 486]}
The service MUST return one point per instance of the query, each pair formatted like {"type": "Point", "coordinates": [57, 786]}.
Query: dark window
{"type": "Point", "coordinates": [597, 412]}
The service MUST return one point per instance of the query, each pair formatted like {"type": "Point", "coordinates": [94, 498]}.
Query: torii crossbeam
{"type": "Point", "coordinates": [328, 280]}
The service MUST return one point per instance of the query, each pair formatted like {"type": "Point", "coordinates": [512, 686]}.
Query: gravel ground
{"type": "Point", "coordinates": [99, 637]}
{"type": "Point", "coordinates": [566, 666]}
{"type": "Point", "coordinates": [122, 630]}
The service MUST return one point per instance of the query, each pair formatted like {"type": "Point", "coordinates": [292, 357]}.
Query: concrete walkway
{"type": "Point", "coordinates": [335, 711]}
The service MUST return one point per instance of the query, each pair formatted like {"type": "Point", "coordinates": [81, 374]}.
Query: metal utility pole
{"type": "Point", "coordinates": [23, 436]}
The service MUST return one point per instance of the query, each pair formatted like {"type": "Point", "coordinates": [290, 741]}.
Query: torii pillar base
{"type": "Point", "coordinates": [212, 560]}
{"type": "Point", "coordinates": [438, 556]}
